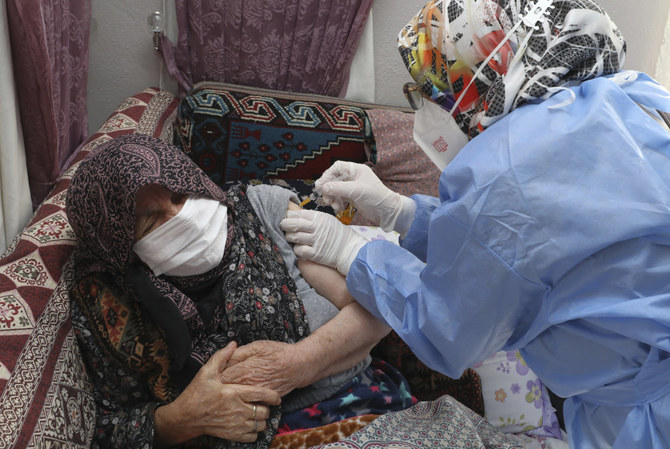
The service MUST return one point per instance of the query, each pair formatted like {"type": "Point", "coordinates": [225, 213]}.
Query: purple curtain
{"type": "Point", "coordinates": [290, 45]}
{"type": "Point", "coordinates": [49, 40]}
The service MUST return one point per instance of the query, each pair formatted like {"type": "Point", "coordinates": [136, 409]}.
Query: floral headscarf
{"type": "Point", "coordinates": [100, 207]}
{"type": "Point", "coordinates": [445, 44]}
{"type": "Point", "coordinates": [107, 182]}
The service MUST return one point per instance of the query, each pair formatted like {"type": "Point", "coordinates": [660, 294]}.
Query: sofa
{"type": "Point", "coordinates": [45, 394]}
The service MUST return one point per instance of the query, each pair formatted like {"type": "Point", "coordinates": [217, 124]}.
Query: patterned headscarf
{"type": "Point", "coordinates": [192, 312]}
{"type": "Point", "coordinates": [445, 44]}
{"type": "Point", "coordinates": [101, 197]}
{"type": "Point", "coordinates": [100, 206]}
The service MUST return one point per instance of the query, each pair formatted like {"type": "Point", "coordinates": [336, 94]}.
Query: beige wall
{"type": "Point", "coordinates": [123, 61]}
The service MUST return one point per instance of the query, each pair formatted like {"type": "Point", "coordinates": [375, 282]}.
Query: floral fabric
{"type": "Point", "coordinates": [515, 399]}
{"type": "Point", "coordinates": [446, 43]}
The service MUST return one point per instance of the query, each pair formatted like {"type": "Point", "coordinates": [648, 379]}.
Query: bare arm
{"type": "Point", "coordinates": [337, 345]}
{"type": "Point", "coordinates": [342, 342]}
{"type": "Point", "coordinates": [328, 282]}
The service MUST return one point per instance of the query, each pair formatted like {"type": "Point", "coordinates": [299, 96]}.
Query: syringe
{"type": "Point", "coordinates": [316, 194]}
{"type": "Point", "coordinates": [345, 216]}
{"type": "Point", "coordinates": [312, 197]}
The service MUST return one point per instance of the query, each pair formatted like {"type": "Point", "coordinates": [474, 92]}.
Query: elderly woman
{"type": "Point", "coordinates": [551, 230]}
{"type": "Point", "coordinates": [172, 274]}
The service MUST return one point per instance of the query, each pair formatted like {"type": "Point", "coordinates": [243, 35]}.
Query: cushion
{"type": "Point", "coordinates": [45, 396]}
{"type": "Point", "coordinates": [396, 159]}
{"type": "Point", "coordinates": [515, 400]}
{"type": "Point", "coordinates": [235, 132]}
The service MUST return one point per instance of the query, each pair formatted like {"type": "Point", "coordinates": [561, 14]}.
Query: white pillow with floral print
{"type": "Point", "coordinates": [376, 233]}
{"type": "Point", "coordinates": [515, 400]}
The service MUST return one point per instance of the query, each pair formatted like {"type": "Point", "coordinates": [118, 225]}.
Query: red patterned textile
{"type": "Point", "coordinates": [45, 396]}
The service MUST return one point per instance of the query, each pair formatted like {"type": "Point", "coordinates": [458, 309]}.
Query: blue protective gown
{"type": "Point", "coordinates": [551, 235]}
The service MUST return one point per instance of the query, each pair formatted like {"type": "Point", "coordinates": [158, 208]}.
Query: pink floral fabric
{"type": "Point", "coordinates": [399, 162]}
{"type": "Point", "coordinates": [49, 41]}
{"type": "Point", "coordinates": [290, 45]}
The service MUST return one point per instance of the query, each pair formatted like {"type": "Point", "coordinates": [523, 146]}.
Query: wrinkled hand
{"type": "Point", "coordinates": [349, 182]}
{"type": "Point", "coordinates": [269, 364]}
{"type": "Point", "coordinates": [322, 238]}
{"type": "Point", "coordinates": [210, 407]}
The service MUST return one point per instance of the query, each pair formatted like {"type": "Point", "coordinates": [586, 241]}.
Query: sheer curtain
{"type": "Point", "coordinates": [663, 65]}
{"type": "Point", "coordinates": [15, 207]}
{"type": "Point", "coordinates": [49, 42]}
{"type": "Point", "coordinates": [361, 85]}
{"type": "Point", "coordinates": [292, 45]}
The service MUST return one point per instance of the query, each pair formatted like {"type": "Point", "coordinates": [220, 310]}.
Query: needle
{"type": "Point", "coordinates": [312, 197]}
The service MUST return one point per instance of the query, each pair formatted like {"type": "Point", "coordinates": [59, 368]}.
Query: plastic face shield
{"type": "Point", "coordinates": [424, 45]}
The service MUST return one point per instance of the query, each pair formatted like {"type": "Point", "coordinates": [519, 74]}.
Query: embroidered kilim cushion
{"type": "Point", "coordinates": [236, 133]}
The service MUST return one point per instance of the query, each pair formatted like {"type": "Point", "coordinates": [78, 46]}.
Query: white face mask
{"type": "Point", "coordinates": [192, 242]}
{"type": "Point", "coordinates": [438, 134]}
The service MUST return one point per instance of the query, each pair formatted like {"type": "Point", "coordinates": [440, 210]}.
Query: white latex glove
{"type": "Point", "coordinates": [322, 238]}
{"type": "Point", "coordinates": [349, 182]}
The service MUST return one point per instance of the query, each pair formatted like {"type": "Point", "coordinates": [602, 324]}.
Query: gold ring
{"type": "Point", "coordinates": [255, 426]}
{"type": "Point", "coordinates": [253, 413]}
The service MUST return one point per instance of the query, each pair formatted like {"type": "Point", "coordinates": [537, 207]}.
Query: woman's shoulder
{"type": "Point", "coordinates": [98, 291]}
{"type": "Point", "coordinates": [117, 322]}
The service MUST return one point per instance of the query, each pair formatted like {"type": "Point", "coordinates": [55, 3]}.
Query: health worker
{"type": "Point", "coordinates": [551, 233]}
